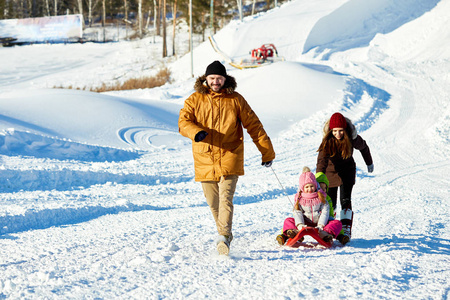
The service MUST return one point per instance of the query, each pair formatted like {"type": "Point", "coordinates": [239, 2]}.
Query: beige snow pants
{"type": "Point", "coordinates": [219, 196]}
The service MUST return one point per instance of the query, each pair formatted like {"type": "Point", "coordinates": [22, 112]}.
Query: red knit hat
{"type": "Point", "coordinates": [338, 121]}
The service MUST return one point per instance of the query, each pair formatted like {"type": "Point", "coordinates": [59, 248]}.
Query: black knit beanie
{"type": "Point", "coordinates": [216, 68]}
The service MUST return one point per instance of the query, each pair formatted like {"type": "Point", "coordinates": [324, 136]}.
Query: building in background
{"type": "Point", "coordinates": [57, 29]}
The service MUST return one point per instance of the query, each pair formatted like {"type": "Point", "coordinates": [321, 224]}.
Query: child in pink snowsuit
{"type": "Point", "coordinates": [310, 210]}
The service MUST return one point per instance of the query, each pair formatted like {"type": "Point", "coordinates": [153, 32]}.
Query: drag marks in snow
{"type": "Point", "coordinates": [146, 138]}
{"type": "Point", "coordinates": [364, 103]}
{"type": "Point", "coordinates": [410, 168]}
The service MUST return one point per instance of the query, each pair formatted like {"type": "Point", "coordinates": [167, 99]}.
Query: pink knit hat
{"type": "Point", "coordinates": [306, 178]}
{"type": "Point", "coordinates": [338, 121]}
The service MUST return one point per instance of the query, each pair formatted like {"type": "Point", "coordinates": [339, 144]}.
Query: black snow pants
{"type": "Point", "coordinates": [345, 195]}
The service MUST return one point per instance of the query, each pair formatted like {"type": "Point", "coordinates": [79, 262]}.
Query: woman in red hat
{"type": "Point", "coordinates": [335, 159]}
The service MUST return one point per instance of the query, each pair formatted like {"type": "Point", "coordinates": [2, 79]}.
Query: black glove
{"type": "Point", "coordinates": [267, 163]}
{"type": "Point", "coordinates": [200, 136]}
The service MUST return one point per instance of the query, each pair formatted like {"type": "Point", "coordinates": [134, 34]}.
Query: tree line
{"type": "Point", "coordinates": [206, 14]}
{"type": "Point", "coordinates": [129, 10]}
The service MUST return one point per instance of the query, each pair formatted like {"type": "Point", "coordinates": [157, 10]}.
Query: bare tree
{"type": "Point", "coordinates": [89, 7]}
{"type": "Point", "coordinates": [174, 26]}
{"type": "Point", "coordinates": [80, 6]}
{"type": "Point", "coordinates": [164, 54]}
{"type": "Point", "coordinates": [47, 8]}
{"type": "Point", "coordinates": [125, 6]}
{"type": "Point", "coordinates": [140, 17]}
{"type": "Point", "coordinates": [104, 19]}
{"type": "Point", "coordinates": [149, 16]}
{"type": "Point", "coordinates": [158, 18]}
{"type": "Point", "coordinates": [239, 4]}
{"type": "Point", "coordinates": [211, 16]}
{"type": "Point", "coordinates": [203, 25]}
{"type": "Point", "coordinates": [155, 13]}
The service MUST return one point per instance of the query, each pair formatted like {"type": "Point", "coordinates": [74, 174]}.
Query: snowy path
{"type": "Point", "coordinates": [111, 210]}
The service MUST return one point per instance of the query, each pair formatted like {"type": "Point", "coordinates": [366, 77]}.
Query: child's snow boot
{"type": "Point", "coordinates": [291, 233]}
{"type": "Point", "coordinates": [281, 239]}
{"type": "Point", "coordinates": [343, 239]}
{"type": "Point", "coordinates": [325, 236]}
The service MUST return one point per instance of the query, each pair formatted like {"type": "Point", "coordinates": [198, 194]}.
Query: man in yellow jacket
{"type": "Point", "coordinates": [213, 117]}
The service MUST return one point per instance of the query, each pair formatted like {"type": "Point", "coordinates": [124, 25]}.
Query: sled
{"type": "Point", "coordinates": [266, 54]}
{"type": "Point", "coordinates": [307, 231]}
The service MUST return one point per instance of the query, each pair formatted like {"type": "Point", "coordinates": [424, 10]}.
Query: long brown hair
{"type": "Point", "coordinates": [331, 145]}
{"type": "Point", "coordinates": [322, 197]}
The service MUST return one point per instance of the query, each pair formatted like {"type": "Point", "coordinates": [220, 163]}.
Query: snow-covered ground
{"type": "Point", "coordinates": [98, 199]}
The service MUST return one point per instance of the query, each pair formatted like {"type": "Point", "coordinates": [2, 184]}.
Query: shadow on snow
{"type": "Point", "coordinates": [47, 218]}
{"type": "Point", "coordinates": [43, 180]}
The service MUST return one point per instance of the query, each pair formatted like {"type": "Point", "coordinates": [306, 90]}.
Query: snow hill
{"type": "Point", "coordinates": [98, 198]}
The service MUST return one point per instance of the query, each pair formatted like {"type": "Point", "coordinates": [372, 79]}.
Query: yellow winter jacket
{"type": "Point", "coordinates": [222, 116]}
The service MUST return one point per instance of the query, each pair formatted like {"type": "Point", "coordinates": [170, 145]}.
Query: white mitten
{"type": "Point", "coordinates": [301, 226]}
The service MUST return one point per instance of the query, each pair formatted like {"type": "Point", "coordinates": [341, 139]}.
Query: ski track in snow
{"type": "Point", "coordinates": [89, 221]}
